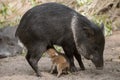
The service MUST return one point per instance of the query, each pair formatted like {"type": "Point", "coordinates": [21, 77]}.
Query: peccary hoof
{"type": "Point", "coordinates": [73, 69]}
{"type": "Point", "coordinates": [99, 68]}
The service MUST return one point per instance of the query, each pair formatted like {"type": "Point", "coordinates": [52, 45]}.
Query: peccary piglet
{"type": "Point", "coordinates": [58, 60]}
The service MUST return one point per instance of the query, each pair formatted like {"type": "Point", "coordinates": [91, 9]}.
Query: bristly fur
{"type": "Point", "coordinates": [58, 61]}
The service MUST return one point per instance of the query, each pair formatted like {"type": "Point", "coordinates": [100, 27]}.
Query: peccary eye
{"type": "Point", "coordinates": [0, 39]}
{"type": "Point", "coordinates": [95, 48]}
{"type": "Point", "coordinates": [11, 44]}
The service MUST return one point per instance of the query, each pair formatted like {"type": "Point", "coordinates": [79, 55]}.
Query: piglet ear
{"type": "Point", "coordinates": [102, 28]}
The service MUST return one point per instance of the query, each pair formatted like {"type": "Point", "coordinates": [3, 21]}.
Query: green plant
{"type": "Point", "coordinates": [82, 2]}
{"type": "Point", "coordinates": [58, 48]}
{"type": "Point", "coordinates": [98, 19]}
{"type": "Point", "coordinates": [3, 10]}
{"type": "Point", "coordinates": [8, 15]}
{"type": "Point", "coordinates": [3, 13]}
{"type": "Point", "coordinates": [34, 2]}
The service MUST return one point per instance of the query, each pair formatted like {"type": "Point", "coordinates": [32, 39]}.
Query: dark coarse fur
{"type": "Point", "coordinates": [54, 24]}
{"type": "Point", "coordinates": [9, 45]}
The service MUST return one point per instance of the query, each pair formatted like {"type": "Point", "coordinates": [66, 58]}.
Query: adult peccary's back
{"type": "Point", "coordinates": [46, 21]}
{"type": "Point", "coordinates": [54, 24]}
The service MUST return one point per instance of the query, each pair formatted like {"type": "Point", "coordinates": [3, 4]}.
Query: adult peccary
{"type": "Point", "coordinates": [54, 24]}
{"type": "Point", "coordinates": [8, 42]}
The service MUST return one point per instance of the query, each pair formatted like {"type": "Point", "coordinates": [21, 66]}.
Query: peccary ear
{"type": "Point", "coordinates": [102, 28]}
{"type": "Point", "coordinates": [89, 32]}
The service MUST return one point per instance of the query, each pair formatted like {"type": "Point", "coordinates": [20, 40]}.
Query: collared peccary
{"type": "Point", "coordinates": [54, 24]}
{"type": "Point", "coordinates": [8, 43]}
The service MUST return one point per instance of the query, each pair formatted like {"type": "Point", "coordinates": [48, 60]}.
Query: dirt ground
{"type": "Point", "coordinates": [17, 68]}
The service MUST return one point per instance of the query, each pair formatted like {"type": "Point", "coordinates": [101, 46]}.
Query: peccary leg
{"type": "Point", "coordinates": [78, 57]}
{"type": "Point", "coordinates": [69, 54]}
{"type": "Point", "coordinates": [59, 69]}
{"type": "Point", "coordinates": [33, 57]}
{"type": "Point", "coordinates": [52, 68]}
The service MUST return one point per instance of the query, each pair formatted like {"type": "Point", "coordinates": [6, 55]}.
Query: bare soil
{"type": "Point", "coordinates": [17, 68]}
